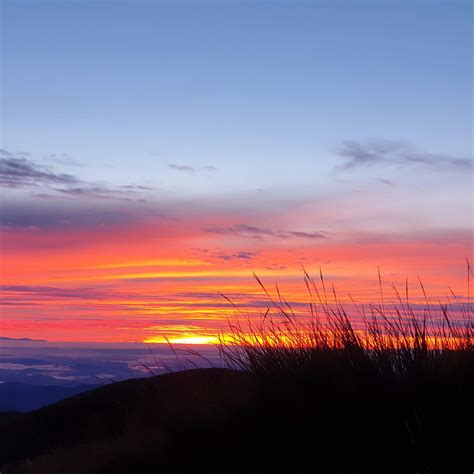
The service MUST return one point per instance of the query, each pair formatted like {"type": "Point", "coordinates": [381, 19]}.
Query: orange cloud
{"type": "Point", "coordinates": [156, 280]}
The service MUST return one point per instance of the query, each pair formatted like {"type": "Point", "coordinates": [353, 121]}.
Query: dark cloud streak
{"type": "Point", "coordinates": [237, 256]}
{"type": "Point", "coordinates": [359, 155]}
{"type": "Point", "coordinates": [191, 169]}
{"type": "Point", "coordinates": [18, 171]}
{"type": "Point", "coordinates": [245, 230]}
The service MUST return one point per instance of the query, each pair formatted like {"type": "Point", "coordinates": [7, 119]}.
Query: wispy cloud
{"type": "Point", "coordinates": [384, 152]}
{"type": "Point", "coordinates": [386, 181]}
{"type": "Point", "coordinates": [237, 255]}
{"type": "Point", "coordinates": [252, 231]}
{"type": "Point", "coordinates": [103, 192]}
{"type": "Point", "coordinates": [85, 293]}
{"type": "Point", "coordinates": [21, 339]}
{"type": "Point", "coordinates": [64, 159]}
{"type": "Point", "coordinates": [188, 169]}
{"type": "Point", "coordinates": [191, 169]}
{"type": "Point", "coordinates": [18, 171]}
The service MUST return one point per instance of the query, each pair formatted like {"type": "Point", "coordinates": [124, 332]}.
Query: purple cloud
{"type": "Point", "coordinates": [245, 230]}
{"type": "Point", "coordinates": [191, 169]}
{"type": "Point", "coordinates": [384, 152]}
{"type": "Point", "coordinates": [237, 256]}
{"type": "Point", "coordinates": [18, 171]}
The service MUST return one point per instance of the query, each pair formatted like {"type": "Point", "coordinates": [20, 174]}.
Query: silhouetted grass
{"type": "Point", "coordinates": [378, 389]}
{"type": "Point", "coordinates": [392, 341]}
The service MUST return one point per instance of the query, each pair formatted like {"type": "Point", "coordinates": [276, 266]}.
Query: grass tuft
{"type": "Point", "coordinates": [389, 341]}
{"type": "Point", "coordinates": [383, 388]}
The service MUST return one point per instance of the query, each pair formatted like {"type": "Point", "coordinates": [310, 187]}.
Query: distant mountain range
{"type": "Point", "coordinates": [24, 397]}
{"type": "Point", "coordinates": [24, 339]}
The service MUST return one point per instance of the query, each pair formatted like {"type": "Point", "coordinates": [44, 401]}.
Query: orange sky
{"type": "Point", "coordinates": [150, 281]}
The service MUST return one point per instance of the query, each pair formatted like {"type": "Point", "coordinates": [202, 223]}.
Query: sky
{"type": "Point", "coordinates": [154, 154]}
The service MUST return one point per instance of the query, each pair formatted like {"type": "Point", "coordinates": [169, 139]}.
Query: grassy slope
{"type": "Point", "coordinates": [116, 427]}
{"type": "Point", "coordinates": [219, 420]}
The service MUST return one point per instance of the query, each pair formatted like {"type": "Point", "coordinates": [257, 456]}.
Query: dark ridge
{"type": "Point", "coordinates": [21, 339]}
{"type": "Point", "coordinates": [124, 417]}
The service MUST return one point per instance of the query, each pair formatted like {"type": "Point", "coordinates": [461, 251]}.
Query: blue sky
{"type": "Point", "coordinates": [155, 154]}
{"type": "Point", "coordinates": [263, 91]}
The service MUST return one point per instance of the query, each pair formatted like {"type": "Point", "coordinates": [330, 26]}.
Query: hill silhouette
{"type": "Point", "coordinates": [230, 421]}
{"type": "Point", "coordinates": [120, 426]}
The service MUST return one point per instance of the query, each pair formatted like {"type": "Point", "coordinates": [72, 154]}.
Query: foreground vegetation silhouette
{"type": "Point", "coordinates": [387, 388]}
